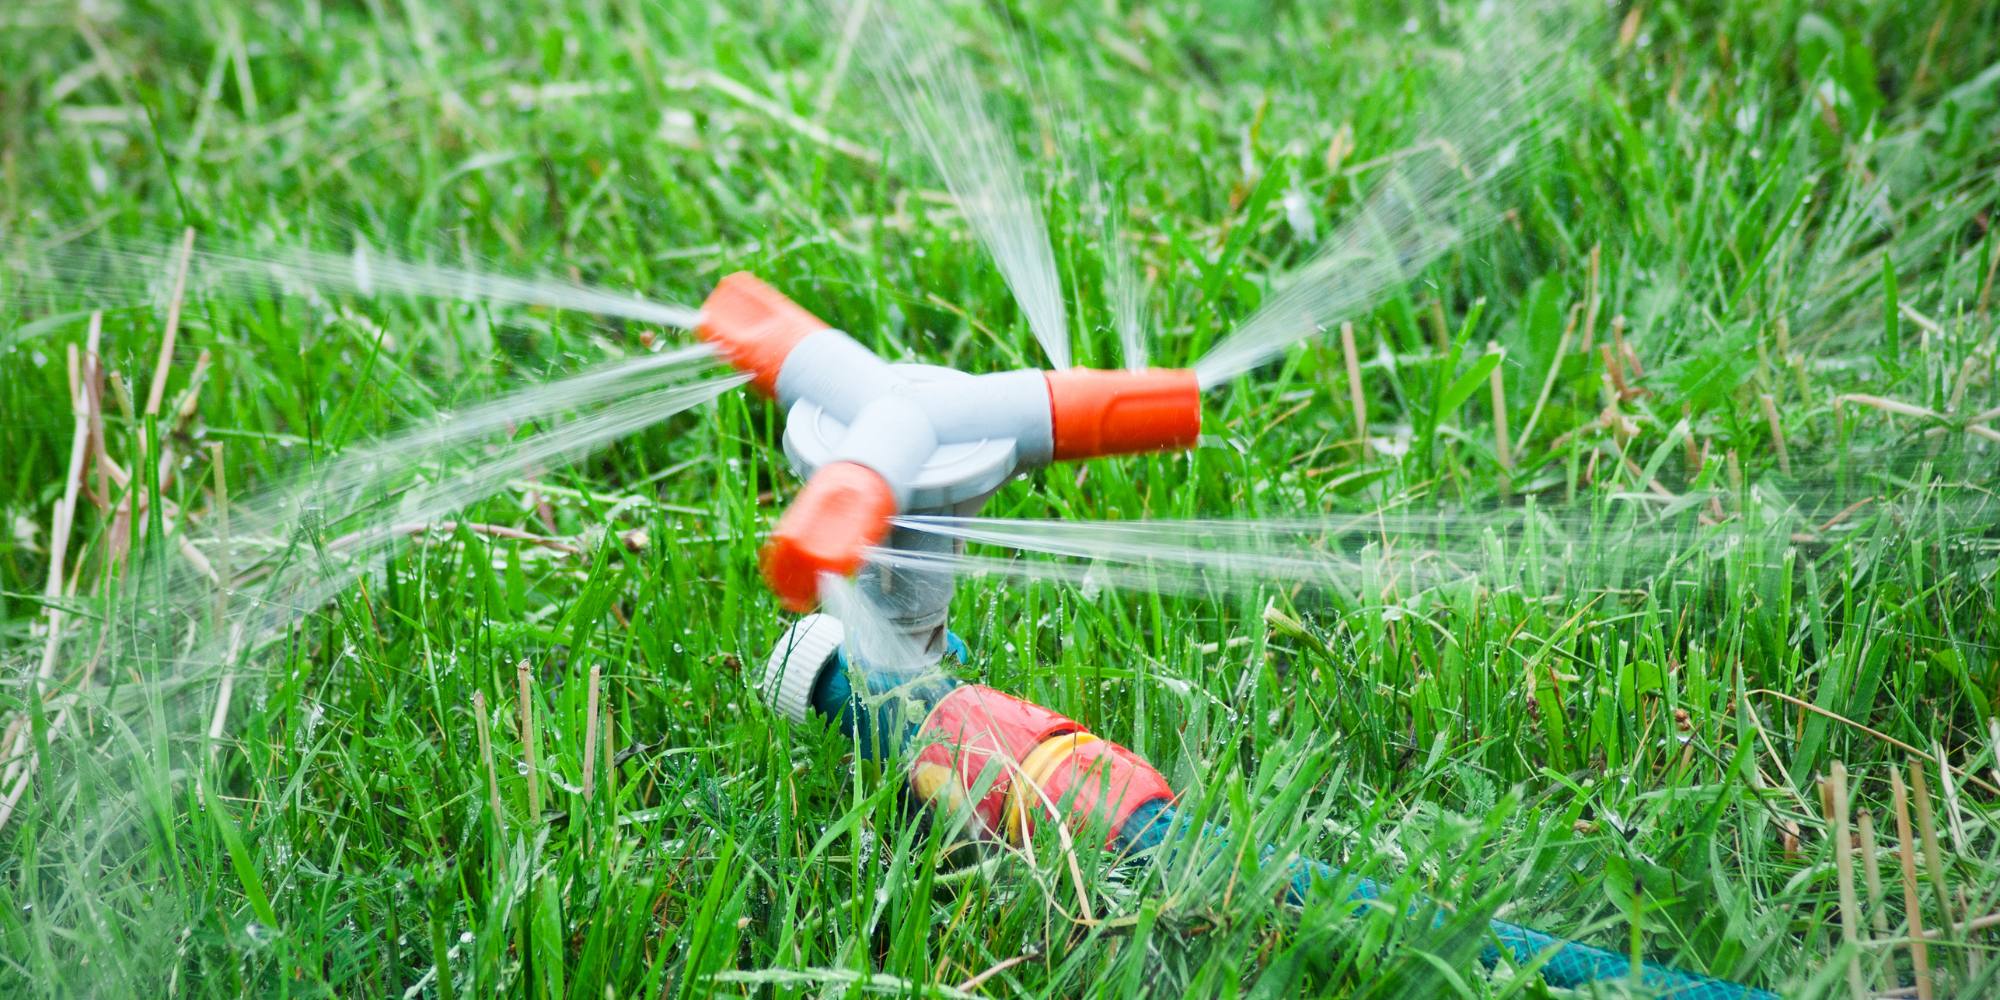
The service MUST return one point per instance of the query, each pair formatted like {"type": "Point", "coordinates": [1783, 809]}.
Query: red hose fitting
{"type": "Point", "coordinates": [975, 729]}
{"type": "Point", "coordinates": [1103, 779]}
{"type": "Point", "coordinates": [978, 734]}
{"type": "Point", "coordinates": [1094, 413]}
{"type": "Point", "coordinates": [844, 509]}
{"type": "Point", "coordinates": [754, 327]}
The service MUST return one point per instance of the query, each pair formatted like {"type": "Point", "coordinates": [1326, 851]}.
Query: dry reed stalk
{"type": "Point", "coordinates": [1625, 347]}
{"type": "Point", "coordinates": [1769, 404]}
{"type": "Point", "coordinates": [1354, 399]}
{"type": "Point", "coordinates": [1591, 299]}
{"type": "Point", "coordinates": [1834, 791]}
{"type": "Point", "coordinates": [1920, 790]}
{"type": "Point", "coordinates": [524, 680]}
{"type": "Point", "coordinates": [166, 361]}
{"type": "Point", "coordinates": [1906, 859]}
{"type": "Point", "coordinates": [223, 581]}
{"type": "Point", "coordinates": [20, 764]}
{"type": "Point", "coordinates": [486, 754]}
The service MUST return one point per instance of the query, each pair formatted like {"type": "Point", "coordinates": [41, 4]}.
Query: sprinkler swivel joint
{"type": "Point", "coordinates": [875, 439]}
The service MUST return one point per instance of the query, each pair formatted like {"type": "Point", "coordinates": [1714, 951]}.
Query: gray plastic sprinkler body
{"type": "Point", "coordinates": [876, 439]}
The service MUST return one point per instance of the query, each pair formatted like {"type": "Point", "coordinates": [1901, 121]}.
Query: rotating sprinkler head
{"type": "Point", "coordinates": [875, 439]}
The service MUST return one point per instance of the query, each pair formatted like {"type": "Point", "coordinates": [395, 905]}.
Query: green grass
{"type": "Point", "coordinates": [1785, 200]}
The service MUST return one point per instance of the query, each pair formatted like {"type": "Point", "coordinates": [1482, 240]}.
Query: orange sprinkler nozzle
{"type": "Point", "coordinates": [1096, 413]}
{"type": "Point", "coordinates": [755, 327]}
{"type": "Point", "coordinates": [844, 509]}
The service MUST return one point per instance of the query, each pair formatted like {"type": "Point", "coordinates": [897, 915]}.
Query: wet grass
{"type": "Point", "coordinates": [1755, 202]}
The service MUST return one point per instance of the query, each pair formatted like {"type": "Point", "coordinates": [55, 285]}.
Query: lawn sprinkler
{"type": "Point", "coordinates": [875, 439]}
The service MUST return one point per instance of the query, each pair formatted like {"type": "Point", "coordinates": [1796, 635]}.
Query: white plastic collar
{"type": "Point", "coordinates": [795, 663]}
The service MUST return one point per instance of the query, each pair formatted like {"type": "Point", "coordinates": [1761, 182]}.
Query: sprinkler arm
{"type": "Point", "coordinates": [896, 426]}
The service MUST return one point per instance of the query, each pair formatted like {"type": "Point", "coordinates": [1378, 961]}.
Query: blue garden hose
{"type": "Point", "coordinates": [1569, 965]}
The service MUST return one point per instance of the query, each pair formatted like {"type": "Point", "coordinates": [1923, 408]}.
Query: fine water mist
{"type": "Point", "coordinates": [165, 646]}
{"type": "Point", "coordinates": [1429, 197]}
{"type": "Point", "coordinates": [1595, 543]}
{"type": "Point", "coordinates": [941, 105]}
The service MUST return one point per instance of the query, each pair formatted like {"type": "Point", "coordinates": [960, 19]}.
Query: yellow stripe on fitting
{"type": "Point", "coordinates": [1024, 793]}
{"type": "Point", "coordinates": [936, 783]}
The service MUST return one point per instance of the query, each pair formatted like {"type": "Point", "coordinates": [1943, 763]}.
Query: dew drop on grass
{"type": "Point", "coordinates": [1298, 215]}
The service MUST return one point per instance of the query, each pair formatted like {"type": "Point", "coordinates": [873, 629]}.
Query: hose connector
{"type": "Point", "coordinates": [1011, 760]}
{"type": "Point", "coordinates": [794, 667]}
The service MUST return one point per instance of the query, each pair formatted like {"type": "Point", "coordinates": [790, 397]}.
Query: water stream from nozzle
{"type": "Point", "coordinates": [1603, 542]}
{"type": "Point", "coordinates": [164, 647]}
{"type": "Point", "coordinates": [1429, 197]}
{"type": "Point", "coordinates": [940, 104]}
{"type": "Point", "coordinates": [110, 270]}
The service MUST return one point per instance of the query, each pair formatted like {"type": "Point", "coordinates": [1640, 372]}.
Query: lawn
{"type": "Point", "coordinates": [1627, 570]}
